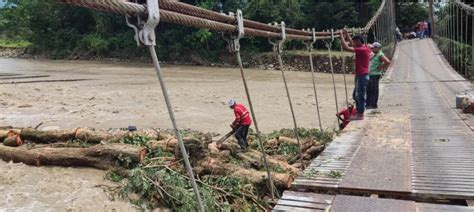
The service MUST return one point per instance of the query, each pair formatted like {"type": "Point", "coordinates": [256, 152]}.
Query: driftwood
{"type": "Point", "coordinates": [195, 148]}
{"type": "Point", "coordinates": [83, 134]}
{"type": "Point", "coordinates": [308, 154]}
{"type": "Point", "coordinates": [255, 158]}
{"type": "Point", "coordinates": [45, 137]}
{"type": "Point", "coordinates": [216, 167]}
{"type": "Point", "coordinates": [98, 156]}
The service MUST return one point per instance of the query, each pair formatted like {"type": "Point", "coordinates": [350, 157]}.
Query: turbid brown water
{"type": "Point", "coordinates": [69, 94]}
{"type": "Point", "coordinates": [121, 94]}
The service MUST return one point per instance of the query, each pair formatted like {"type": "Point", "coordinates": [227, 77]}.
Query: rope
{"type": "Point", "coordinates": [175, 127]}
{"type": "Point", "coordinates": [310, 49]}
{"type": "Point", "coordinates": [375, 17]}
{"type": "Point", "coordinates": [464, 6]}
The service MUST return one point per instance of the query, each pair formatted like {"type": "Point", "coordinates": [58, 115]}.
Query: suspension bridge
{"type": "Point", "coordinates": [415, 155]}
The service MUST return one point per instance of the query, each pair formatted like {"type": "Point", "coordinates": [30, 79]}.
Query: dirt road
{"type": "Point", "coordinates": [68, 94]}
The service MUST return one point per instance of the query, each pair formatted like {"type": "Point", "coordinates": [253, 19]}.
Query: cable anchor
{"type": "Point", "coordinates": [144, 25]}
{"type": "Point", "coordinates": [233, 39]}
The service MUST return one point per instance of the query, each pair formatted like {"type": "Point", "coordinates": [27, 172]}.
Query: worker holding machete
{"type": "Point", "coordinates": [241, 123]}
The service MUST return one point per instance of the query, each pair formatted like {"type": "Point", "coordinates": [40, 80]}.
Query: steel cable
{"type": "Point", "coordinates": [310, 49]}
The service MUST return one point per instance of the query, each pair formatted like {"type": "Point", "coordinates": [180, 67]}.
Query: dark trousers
{"type": "Point", "coordinates": [373, 91]}
{"type": "Point", "coordinates": [241, 135]}
{"type": "Point", "coordinates": [360, 91]}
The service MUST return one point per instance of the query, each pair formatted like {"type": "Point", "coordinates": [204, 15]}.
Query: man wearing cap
{"type": "Point", "coordinates": [362, 59]}
{"type": "Point", "coordinates": [241, 123]}
{"type": "Point", "coordinates": [378, 63]}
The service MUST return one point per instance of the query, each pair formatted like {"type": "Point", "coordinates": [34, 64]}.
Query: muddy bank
{"type": "Point", "coordinates": [293, 60]}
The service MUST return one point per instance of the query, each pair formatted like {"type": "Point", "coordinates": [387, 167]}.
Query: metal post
{"type": "Point", "coordinates": [329, 45]}
{"type": "Point", "coordinates": [234, 47]}
{"type": "Point", "coordinates": [278, 48]}
{"type": "Point", "coordinates": [309, 45]}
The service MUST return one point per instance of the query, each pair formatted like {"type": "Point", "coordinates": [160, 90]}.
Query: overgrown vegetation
{"type": "Point", "coordinates": [323, 137]}
{"type": "Point", "coordinates": [155, 184]}
{"type": "Point", "coordinates": [161, 181]}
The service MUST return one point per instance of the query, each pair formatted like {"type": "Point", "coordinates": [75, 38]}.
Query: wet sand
{"type": "Point", "coordinates": [110, 95]}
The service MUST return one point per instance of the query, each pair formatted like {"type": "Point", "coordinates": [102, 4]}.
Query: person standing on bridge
{"type": "Point", "coordinates": [241, 123]}
{"type": "Point", "coordinates": [378, 63]}
{"type": "Point", "coordinates": [362, 59]}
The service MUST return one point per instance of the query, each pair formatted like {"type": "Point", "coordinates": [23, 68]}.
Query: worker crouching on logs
{"type": "Point", "coordinates": [241, 123]}
{"type": "Point", "coordinates": [345, 115]}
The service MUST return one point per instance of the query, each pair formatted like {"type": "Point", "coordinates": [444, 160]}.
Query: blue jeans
{"type": "Point", "coordinates": [360, 91]}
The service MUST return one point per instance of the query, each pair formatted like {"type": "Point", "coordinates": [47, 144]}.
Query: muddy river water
{"type": "Point", "coordinates": [69, 94]}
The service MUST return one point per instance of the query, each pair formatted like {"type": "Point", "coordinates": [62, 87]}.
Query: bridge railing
{"type": "Point", "coordinates": [454, 36]}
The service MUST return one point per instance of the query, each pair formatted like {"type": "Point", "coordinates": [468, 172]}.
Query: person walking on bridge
{"type": "Point", "coordinates": [241, 123]}
{"type": "Point", "coordinates": [362, 59]}
{"type": "Point", "coordinates": [378, 63]}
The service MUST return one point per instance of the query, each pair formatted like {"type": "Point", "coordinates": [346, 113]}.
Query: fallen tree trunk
{"type": "Point", "coordinates": [196, 149]}
{"type": "Point", "coordinates": [46, 137]}
{"type": "Point", "coordinates": [210, 166]}
{"type": "Point", "coordinates": [255, 158]}
{"type": "Point", "coordinates": [98, 156]}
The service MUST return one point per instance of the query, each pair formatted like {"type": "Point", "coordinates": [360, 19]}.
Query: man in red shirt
{"type": "Point", "coordinates": [345, 116]}
{"type": "Point", "coordinates": [241, 123]}
{"type": "Point", "coordinates": [362, 60]}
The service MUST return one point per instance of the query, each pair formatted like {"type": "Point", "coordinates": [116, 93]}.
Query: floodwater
{"type": "Point", "coordinates": [121, 94]}
{"type": "Point", "coordinates": [69, 94]}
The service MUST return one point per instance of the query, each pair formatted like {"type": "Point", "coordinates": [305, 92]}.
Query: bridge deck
{"type": "Point", "coordinates": [302, 201]}
{"type": "Point", "coordinates": [417, 146]}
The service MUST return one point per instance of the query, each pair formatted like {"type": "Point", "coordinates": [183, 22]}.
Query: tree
{"type": "Point", "coordinates": [410, 13]}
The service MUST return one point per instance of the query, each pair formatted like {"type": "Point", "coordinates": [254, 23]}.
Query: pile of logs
{"type": "Point", "coordinates": [103, 150]}
{"type": "Point", "coordinates": [52, 148]}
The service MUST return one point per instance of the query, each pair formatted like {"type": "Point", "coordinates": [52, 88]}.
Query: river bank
{"type": "Point", "coordinates": [292, 60]}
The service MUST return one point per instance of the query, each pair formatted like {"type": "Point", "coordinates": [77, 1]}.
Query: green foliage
{"type": "Point", "coordinates": [335, 174]}
{"type": "Point", "coordinates": [287, 149]}
{"type": "Point", "coordinates": [114, 177]}
{"type": "Point", "coordinates": [137, 140]}
{"type": "Point", "coordinates": [323, 137]}
{"type": "Point", "coordinates": [278, 169]}
{"type": "Point", "coordinates": [410, 13]}
{"type": "Point", "coordinates": [7, 43]}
